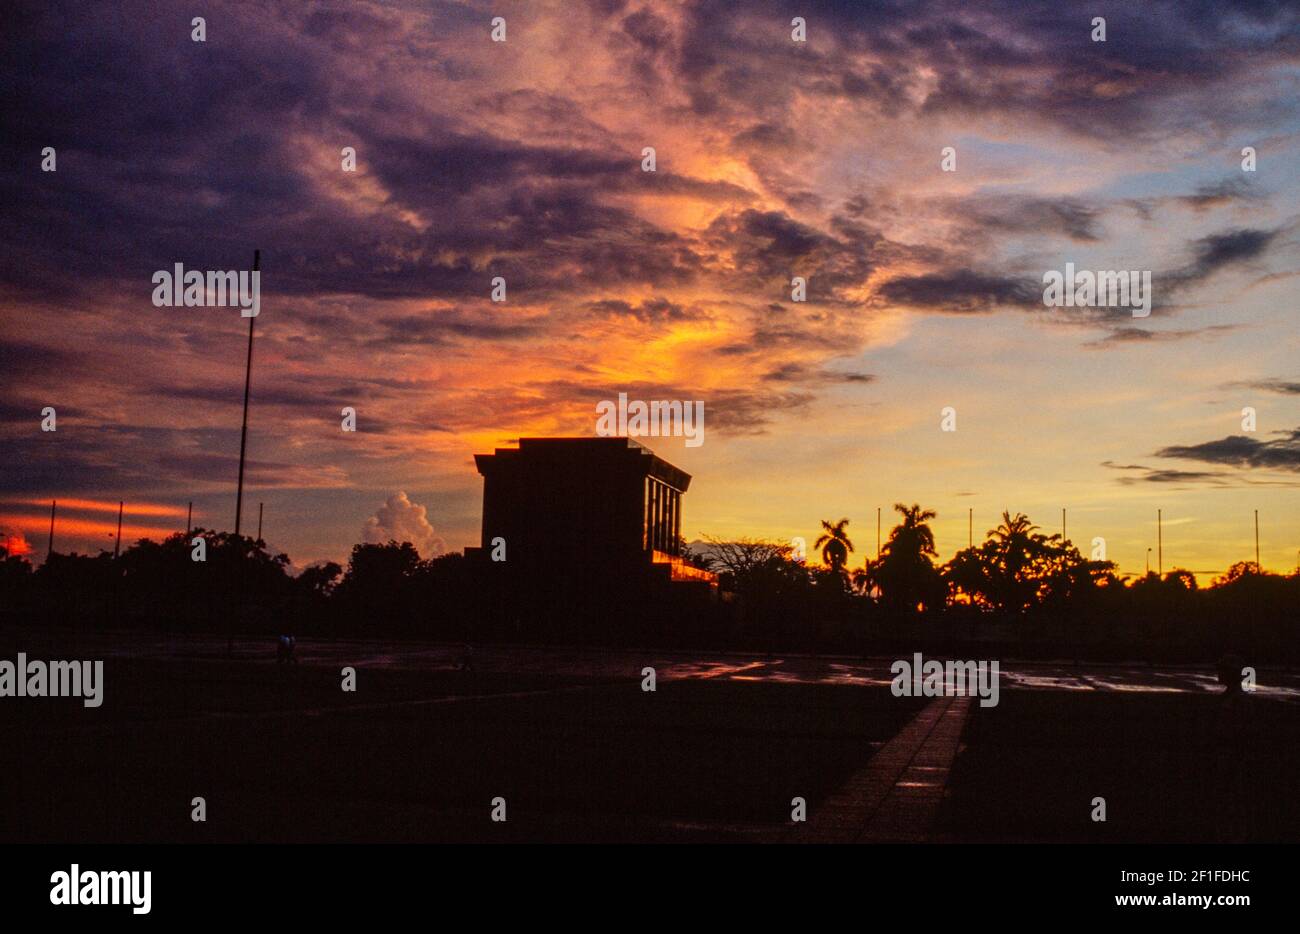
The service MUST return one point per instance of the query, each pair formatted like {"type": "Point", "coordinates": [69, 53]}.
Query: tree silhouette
{"type": "Point", "coordinates": [768, 599]}
{"type": "Point", "coordinates": [1020, 556]}
{"type": "Point", "coordinates": [1018, 568]}
{"type": "Point", "coordinates": [15, 575]}
{"type": "Point", "coordinates": [1241, 570]}
{"type": "Point", "coordinates": [835, 545]}
{"type": "Point", "coordinates": [914, 535]}
{"type": "Point", "coordinates": [381, 580]}
{"type": "Point", "coordinates": [905, 573]}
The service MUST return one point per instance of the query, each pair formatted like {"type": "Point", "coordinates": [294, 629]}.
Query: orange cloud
{"type": "Point", "coordinates": [16, 544]}
{"type": "Point", "coordinates": [75, 527]}
{"type": "Point", "coordinates": [95, 505]}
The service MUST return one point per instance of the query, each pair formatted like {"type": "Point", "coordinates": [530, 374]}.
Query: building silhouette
{"type": "Point", "coordinates": [586, 527]}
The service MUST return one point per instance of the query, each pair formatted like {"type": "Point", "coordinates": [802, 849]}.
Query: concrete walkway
{"type": "Point", "coordinates": [896, 797]}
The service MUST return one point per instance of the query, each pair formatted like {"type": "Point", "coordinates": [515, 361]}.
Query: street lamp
{"type": "Point", "coordinates": [1148, 562]}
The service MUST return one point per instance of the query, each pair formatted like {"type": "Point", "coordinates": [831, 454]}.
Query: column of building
{"type": "Point", "coordinates": [663, 516]}
{"type": "Point", "coordinates": [677, 522]}
{"type": "Point", "coordinates": [652, 514]}
{"type": "Point", "coordinates": [658, 515]}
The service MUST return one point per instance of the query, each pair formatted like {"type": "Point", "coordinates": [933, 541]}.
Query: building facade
{"type": "Point", "coordinates": [584, 524]}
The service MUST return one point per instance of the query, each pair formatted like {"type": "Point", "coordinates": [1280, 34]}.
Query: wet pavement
{"type": "Point", "coordinates": [614, 664]}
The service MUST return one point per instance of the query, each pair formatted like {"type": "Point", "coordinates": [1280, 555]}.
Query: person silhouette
{"type": "Point", "coordinates": [284, 651]}
{"type": "Point", "coordinates": [1230, 674]}
{"type": "Point", "coordinates": [1235, 821]}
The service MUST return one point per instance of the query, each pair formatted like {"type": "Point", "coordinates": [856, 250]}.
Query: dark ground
{"type": "Point", "coordinates": [282, 754]}
{"type": "Point", "coordinates": [1173, 768]}
{"type": "Point", "coordinates": [285, 755]}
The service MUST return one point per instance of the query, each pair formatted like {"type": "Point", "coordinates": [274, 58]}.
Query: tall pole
{"type": "Point", "coordinates": [243, 445]}
{"type": "Point", "coordinates": [1258, 569]}
{"type": "Point", "coordinates": [243, 431]}
{"type": "Point", "coordinates": [49, 549]}
{"type": "Point", "coordinates": [259, 520]}
{"type": "Point", "coordinates": [118, 547]}
{"type": "Point", "coordinates": [1160, 543]}
{"type": "Point", "coordinates": [189, 523]}
{"type": "Point", "coordinates": [1148, 561]}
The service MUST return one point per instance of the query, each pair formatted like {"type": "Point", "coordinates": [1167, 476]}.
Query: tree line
{"type": "Point", "coordinates": [1019, 585]}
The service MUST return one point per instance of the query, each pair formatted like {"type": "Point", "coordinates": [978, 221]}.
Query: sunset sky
{"type": "Point", "coordinates": [523, 159]}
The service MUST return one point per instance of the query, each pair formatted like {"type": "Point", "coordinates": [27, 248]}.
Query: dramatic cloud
{"type": "Point", "coordinates": [1281, 453]}
{"type": "Point", "coordinates": [964, 291]}
{"type": "Point", "coordinates": [1222, 251]}
{"type": "Point", "coordinates": [523, 160]}
{"type": "Point", "coordinates": [401, 520]}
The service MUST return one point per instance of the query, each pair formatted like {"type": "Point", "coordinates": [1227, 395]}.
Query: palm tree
{"type": "Point", "coordinates": [1019, 568]}
{"type": "Point", "coordinates": [835, 544]}
{"type": "Point", "coordinates": [913, 535]}
{"type": "Point", "coordinates": [1019, 543]}
{"type": "Point", "coordinates": [1011, 526]}
{"type": "Point", "coordinates": [904, 572]}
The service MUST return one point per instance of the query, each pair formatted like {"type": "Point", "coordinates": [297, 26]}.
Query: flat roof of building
{"type": "Point", "coordinates": [588, 449]}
